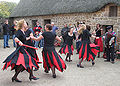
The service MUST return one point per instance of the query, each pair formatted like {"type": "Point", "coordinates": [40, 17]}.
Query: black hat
{"type": "Point", "coordinates": [109, 27]}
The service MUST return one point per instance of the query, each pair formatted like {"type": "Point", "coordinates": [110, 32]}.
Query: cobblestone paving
{"type": "Point", "coordinates": [102, 74]}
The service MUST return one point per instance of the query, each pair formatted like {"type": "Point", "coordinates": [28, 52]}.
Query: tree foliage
{"type": "Point", "coordinates": [6, 8]}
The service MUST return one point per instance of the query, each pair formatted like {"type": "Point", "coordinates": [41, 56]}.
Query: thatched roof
{"type": "Point", "coordinates": [48, 7]}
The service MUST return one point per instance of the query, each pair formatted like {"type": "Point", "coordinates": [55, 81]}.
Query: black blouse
{"type": "Point", "coordinates": [27, 34]}
{"type": "Point", "coordinates": [85, 36]}
{"type": "Point", "coordinates": [21, 36]}
{"type": "Point", "coordinates": [98, 33]}
{"type": "Point", "coordinates": [69, 39]}
{"type": "Point", "coordinates": [49, 38]}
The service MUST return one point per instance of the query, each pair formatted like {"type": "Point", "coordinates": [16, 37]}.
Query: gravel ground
{"type": "Point", "coordinates": [102, 74]}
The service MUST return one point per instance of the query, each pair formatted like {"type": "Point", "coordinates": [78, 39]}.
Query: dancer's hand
{"type": "Point", "coordinates": [60, 37]}
{"type": "Point", "coordinates": [93, 32]}
{"type": "Point", "coordinates": [20, 43]}
{"type": "Point", "coordinates": [97, 37]}
{"type": "Point", "coordinates": [93, 36]}
{"type": "Point", "coordinates": [113, 41]}
{"type": "Point", "coordinates": [103, 37]}
{"type": "Point", "coordinates": [27, 38]}
{"type": "Point", "coordinates": [32, 37]}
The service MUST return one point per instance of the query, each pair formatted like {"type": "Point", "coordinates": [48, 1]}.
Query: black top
{"type": "Point", "coordinates": [6, 29]}
{"type": "Point", "coordinates": [21, 36]}
{"type": "Point", "coordinates": [64, 31]}
{"type": "Point", "coordinates": [49, 38]}
{"type": "Point", "coordinates": [69, 39]}
{"type": "Point", "coordinates": [27, 34]}
{"type": "Point", "coordinates": [85, 36]}
{"type": "Point", "coordinates": [98, 33]}
{"type": "Point", "coordinates": [108, 37]}
{"type": "Point", "coordinates": [13, 30]}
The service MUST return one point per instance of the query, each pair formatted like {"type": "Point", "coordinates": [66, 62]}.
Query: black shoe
{"type": "Point", "coordinates": [70, 60]}
{"type": "Point", "coordinates": [66, 60]}
{"type": "Point", "coordinates": [8, 46]}
{"type": "Point", "coordinates": [33, 77]}
{"type": "Point", "coordinates": [80, 66]}
{"type": "Point", "coordinates": [4, 47]}
{"type": "Point", "coordinates": [46, 71]}
{"type": "Point", "coordinates": [93, 63]}
{"type": "Point", "coordinates": [98, 56]}
{"type": "Point", "coordinates": [35, 69]}
{"type": "Point", "coordinates": [106, 61]}
{"type": "Point", "coordinates": [112, 62]}
{"type": "Point", "coordinates": [77, 53]}
{"type": "Point", "coordinates": [13, 79]}
{"type": "Point", "coordinates": [54, 76]}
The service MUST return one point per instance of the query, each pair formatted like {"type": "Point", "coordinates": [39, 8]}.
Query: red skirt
{"type": "Point", "coordinates": [94, 48]}
{"type": "Point", "coordinates": [100, 43]}
{"type": "Point", "coordinates": [66, 49]}
{"type": "Point", "coordinates": [88, 51]}
{"type": "Point", "coordinates": [52, 58]}
{"type": "Point", "coordinates": [20, 57]}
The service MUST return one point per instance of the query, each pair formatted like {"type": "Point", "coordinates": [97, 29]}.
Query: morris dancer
{"type": "Point", "coordinates": [29, 42]}
{"type": "Point", "coordinates": [51, 59]}
{"type": "Point", "coordinates": [67, 47]}
{"type": "Point", "coordinates": [86, 50]}
{"type": "Point", "coordinates": [21, 59]}
{"type": "Point", "coordinates": [98, 39]}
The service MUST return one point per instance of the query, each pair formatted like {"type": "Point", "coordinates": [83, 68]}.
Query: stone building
{"type": "Point", "coordinates": [104, 12]}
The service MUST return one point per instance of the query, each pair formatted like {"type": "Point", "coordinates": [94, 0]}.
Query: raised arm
{"type": "Point", "coordinates": [36, 39]}
{"type": "Point", "coordinates": [93, 36]}
{"type": "Point", "coordinates": [27, 38]}
{"type": "Point", "coordinates": [58, 38]}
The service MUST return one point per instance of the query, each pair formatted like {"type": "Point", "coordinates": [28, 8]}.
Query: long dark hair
{"type": "Point", "coordinates": [88, 27]}
{"type": "Point", "coordinates": [97, 26]}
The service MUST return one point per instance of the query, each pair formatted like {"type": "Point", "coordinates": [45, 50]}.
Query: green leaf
{"type": "Point", "coordinates": [6, 8]}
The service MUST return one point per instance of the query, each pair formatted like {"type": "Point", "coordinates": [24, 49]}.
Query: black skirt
{"type": "Point", "coordinates": [52, 58]}
{"type": "Point", "coordinates": [88, 51]}
{"type": "Point", "coordinates": [66, 49]}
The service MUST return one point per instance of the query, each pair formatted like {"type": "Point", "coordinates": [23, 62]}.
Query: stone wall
{"type": "Point", "coordinates": [101, 17]}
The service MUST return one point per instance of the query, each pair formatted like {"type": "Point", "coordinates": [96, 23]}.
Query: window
{"type": "Point", "coordinates": [33, 23]}
{"type": "Point", "coordinates": [113, 11]}
{"type": "Point", "coordinates": [47, 21]}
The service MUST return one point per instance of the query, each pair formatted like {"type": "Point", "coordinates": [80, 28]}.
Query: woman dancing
{"type": "Point", "coordinates": [67, 46]}
{"type": "Point", "coordinates": [51, 59]}
{"type": "Point", "coordinates": [86, 50]}
{"type": "Point", "coordinates": [21, 59]}
{"type": "Point", "coordinates": [29, 42]}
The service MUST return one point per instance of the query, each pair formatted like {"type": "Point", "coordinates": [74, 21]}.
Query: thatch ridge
{"type": "Point", "coordinates": [48, 7]}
